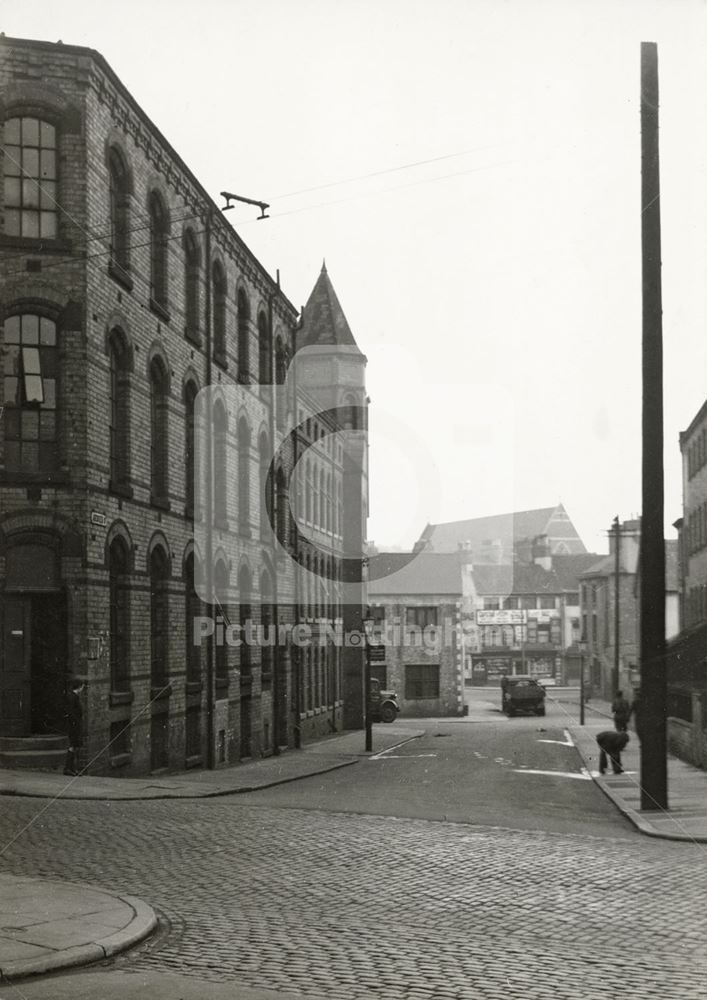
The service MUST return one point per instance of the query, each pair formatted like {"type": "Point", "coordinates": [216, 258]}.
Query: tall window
{"type": "Point", "coordinates": [159, 618]}
{"type": "Point", "coordinates": [191, 284]}
{"type": "Point", "coordinates": [119, 412]}
{"type": "Point", "coordinates": [243, 337]}
{"type": "Point", "coordinates": [30, 178]}
{"type": "Point", "coordinates": [158, 429]}
{"type": "Point", "coordinates": [119, 615]}
{"type": "Point", "coordinates": [192, 610]}
{"type": "Point", "coordinates": [243, 474]}
{"type": "Point", "coordinates": [280, 376]}
{"type": "Point", "coordinates": [221, 587]}
{"type": "Point", "coordinates": [220, 424]}
{"type": "Point", "coordinates": [264, 351]}
{"type": "Point", "coordinates": [30, 387]}
{"type": "Point", "coordinates": [219, 314]}
{"type": "Point", "coordinates": [266, 624]}
{"type": "Point", "coordinates": [158, 250]}
{"type": "Point", "coordinates": [244, 593]}
{"type": "Point", "coordinates": [190, 392]}
{"type": "Point", "coordinates": [119, 211]}
{"type": "Point", "coordinates": [282, 508]}
{"type": "Point", "coordinates": [264, 456]}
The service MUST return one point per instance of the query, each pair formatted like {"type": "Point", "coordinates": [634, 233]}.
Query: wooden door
{"type": "Point", "coordinates": [15, 660]}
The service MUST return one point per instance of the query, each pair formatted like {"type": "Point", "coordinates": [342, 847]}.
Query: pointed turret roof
{"type": "Point", "coordinates": [323, 320]}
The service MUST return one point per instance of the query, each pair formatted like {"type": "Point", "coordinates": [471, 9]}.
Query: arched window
{"type": "Point", "coordinates": [308, 499]}
{"type": "Point", "coordinates": [119, 412]}
{"type": "Point", "coordinates": [192, 611]}
{"type": "Point", "coordinates": [159, 618]}
{"type": "Point", "coordinates": [322, 500]}
{"type": "Point", "coordinates": [159, 450]}
{"type": "Point", "coordinates": [119, 190]}
{"type": "Point", "coordinates": [328, 525]}
{"type": "Point", "coordinates": [191, 284]}
{"type": "Point", "coordinates": [264, 351]}
{"type": "Point", "coordinates": [220, 423]}
{"type": "Point", "coordinates": [158, 250]}
{"type": "Point", "coordinates": [339, 509]}
{"type": "Point", "coordinates": [243, 475]}
{"type": "Point", "coordinates": [351, 416]}
{"type": "Point", "coordinates": [244, 595]}
{"type": "Point", "coordinates": [282, 505]}
{"type": "Point", "coordinates": [280, 376]}
{"type": "Point", "coordinates": [190, 393]}
{"type": "Point", "coordinates": [243, 337]}
{"type": "Point", "coordinates": [30, 178]}
{"type": "Point", "coordinates": [30, 391]}
{"type": "Point", "coordinates": [264, 456]}
{"type": "Point", "coordinates": [268, 638]}
{"type": "Point", "coordinates": [119, 615]}
{"type": "Point", "coordinates": [221, 587]}
{"type": "Point", "coordinates": [219, 313]}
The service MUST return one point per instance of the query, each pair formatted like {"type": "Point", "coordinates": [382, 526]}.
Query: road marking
{"type": "Point", "coordinates": [567, 742]}
{"type": "Point", "coordinates": [402, 743]}
{"type": "Point", "coordinates": [401, 756]}
{"type": "Point", "coordinates": [582, 776]}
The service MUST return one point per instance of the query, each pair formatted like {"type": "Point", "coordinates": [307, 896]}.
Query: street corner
{"type": "Point", "coordinates": [47, 925]}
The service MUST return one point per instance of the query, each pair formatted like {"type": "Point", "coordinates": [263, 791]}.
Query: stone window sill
{"type": "Point", "coordinates": [121, 275]}
{"type": "Point", "coordinates": [121, 698]}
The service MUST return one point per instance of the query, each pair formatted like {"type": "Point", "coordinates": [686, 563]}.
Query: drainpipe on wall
{"type": "Point", "coordinates": [208, 555]}
{"type": "Point", "coordinates": [271, 499]}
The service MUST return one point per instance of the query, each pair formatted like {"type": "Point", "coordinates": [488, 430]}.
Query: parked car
{"type": "Point", "coordinates": [522, 693]}
{"type": "Point", "coordinates": [384, 704]}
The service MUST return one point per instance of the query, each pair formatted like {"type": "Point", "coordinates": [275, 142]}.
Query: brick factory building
{"type": "Point", "coordinates": [124, 293]}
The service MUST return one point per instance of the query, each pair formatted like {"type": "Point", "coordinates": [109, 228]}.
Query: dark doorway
{"type": "Point", "coordinates": [245, 727]}
{"type": "Point", "coordinates": [34, 664]}
{"type": "Point", "coordinates": [48, 662]}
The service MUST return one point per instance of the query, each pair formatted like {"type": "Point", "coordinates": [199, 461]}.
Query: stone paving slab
{"type": "Point", "coordinates": [686, 817]}
{"type": "Point", "coordinates": [47, 925]}
{"type": "Point", "coordinates": [329, 754]}
{"type": "Point", "coordinates": [129, 984]}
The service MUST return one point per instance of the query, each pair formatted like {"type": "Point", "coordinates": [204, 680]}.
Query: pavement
{"type": "Point", "coordinates": [333, 752]}
{"type": "Point", "coordinates": [48, 925]}
{"type": "Point", "coordinates": [686, 816]}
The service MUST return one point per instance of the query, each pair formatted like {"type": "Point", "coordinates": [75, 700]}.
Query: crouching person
{"type": "Point", "coordinates": [610, 745]}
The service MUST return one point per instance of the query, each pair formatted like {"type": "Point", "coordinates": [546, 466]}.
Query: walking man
{"type": "Point", "coordinates": [74, 727]}
{"type": "Point", "coordinates": [611, 743]}
{"type": "Point", "coordinates": [621, 711]}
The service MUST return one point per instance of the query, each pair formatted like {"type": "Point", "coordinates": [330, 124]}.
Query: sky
{"type": "Point", "coordinates": [470, 171]}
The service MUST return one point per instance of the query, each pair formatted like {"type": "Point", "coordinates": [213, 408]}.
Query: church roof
{"type": "Point", "coordinates": [508, 529]}
{"type": "Point", "coordinates": [323, 319]}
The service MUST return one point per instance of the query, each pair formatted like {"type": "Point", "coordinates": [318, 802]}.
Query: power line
{"type": "Point", "coordinates": [387, 170]}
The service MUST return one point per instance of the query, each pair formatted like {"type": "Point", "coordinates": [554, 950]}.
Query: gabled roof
{"type": "Point", "coordinates": [568, 569]}
{"type": "Point", "coordinates": [323, 319]}
{"type": "Point", "coordinates": [606, 566]}
{"type": "Point", "coordinates": [401, 573]}
{"type": "Point", "coordinates": [507, 528]}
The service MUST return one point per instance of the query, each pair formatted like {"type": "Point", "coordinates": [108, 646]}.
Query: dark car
{"type": "Point", "coordinates": [522, 693]}
{"type": "Point", "coordinates": [384, 704]}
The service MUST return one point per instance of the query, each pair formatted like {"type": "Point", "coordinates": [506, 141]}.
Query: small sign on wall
{"type": "Point", "coordinates": [94, 648]}
{"type": "Point", "coordinates": [98, 518]}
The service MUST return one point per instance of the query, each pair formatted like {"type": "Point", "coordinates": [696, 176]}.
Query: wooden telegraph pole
{"type": "Point", "coordinates": [654, 776]}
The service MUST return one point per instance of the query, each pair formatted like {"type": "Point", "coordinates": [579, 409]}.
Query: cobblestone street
{"type": "Point", "coordinates": [326, 904]}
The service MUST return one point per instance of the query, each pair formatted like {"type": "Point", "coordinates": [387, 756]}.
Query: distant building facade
{"type": "Point", "coordinates": [600, 587]}
{"type": "Point", "coordinates": [687, 653]}
{"type": "Point", "coordinates": [417, 604]}
{"type": "Point", "coordinates": [124, 294]}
